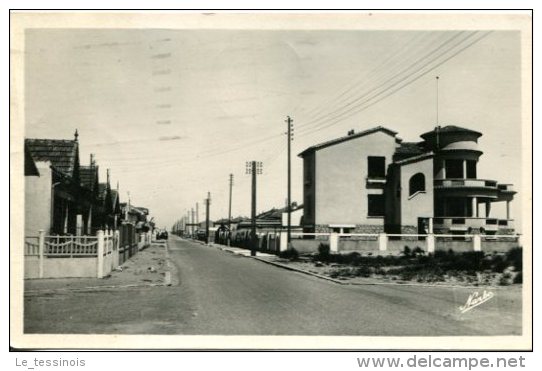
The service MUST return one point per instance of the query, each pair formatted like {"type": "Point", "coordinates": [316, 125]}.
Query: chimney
{"type": "Point", "coordinates": [92, 159]}
{"type": "Point", "coordinates": [350, 132]}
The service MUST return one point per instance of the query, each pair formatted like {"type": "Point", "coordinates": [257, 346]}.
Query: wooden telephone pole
{"type": "Point", "coordinates": [207, 207]}
{"type": "Point", "coordinates": [229, 209]}
{"type": "Point", "coordinates": [254, 168]}
{"type": "Point", "coordinates": [290, 134]}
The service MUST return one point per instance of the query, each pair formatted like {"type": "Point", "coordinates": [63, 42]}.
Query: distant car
{"type": "Point", "coordinates": [162, 235]}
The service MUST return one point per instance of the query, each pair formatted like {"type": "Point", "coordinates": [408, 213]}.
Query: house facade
{"type": "Point", "coordinates": [62, 197]}
{"type": "Point", "coordinates": [373, 182]}
{"type": "Point", "coordinates": [53, 193]}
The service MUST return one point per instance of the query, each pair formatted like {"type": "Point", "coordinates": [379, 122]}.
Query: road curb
{"type": "Point", "coordinates": [91, 288]}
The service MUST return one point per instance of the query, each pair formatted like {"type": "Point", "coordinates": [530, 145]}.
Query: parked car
{"type": "Point", "coordinates": [162, 235]}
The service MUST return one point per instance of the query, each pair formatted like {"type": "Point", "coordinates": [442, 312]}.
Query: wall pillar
{"type": "Point", "coordinates": [283, 241]}
{"type": "Point", "coordinates": [116, 248]}
{"type": "Point", "coordinates": [89, 221]}
{"type": "Point", "coordinates": [477, 242]}
{"type": "Point", "coordinates": [488, 208]}
{"type": "Point", "coordinates": [430, 243]}
{"type": "Point", "coordinates": [334, 242]}
{"type": "Point", "coordinates": [382, 242]}
{"type": "Point", "coordinates": [464, 169]}
{"type": "Point", "coordinates": [41, 246]}
{"type": "Point", "coordinates": [474, 207]}
{"type": "Point", "coordinates": [507, 209]}
{"type": "Point", "coordinates": [79, 228]}
{"type": "Point", "coordinates": [100, 252]}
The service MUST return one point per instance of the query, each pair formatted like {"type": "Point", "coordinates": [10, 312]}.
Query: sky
{"type": "Point", "coordinates": [173, 112]}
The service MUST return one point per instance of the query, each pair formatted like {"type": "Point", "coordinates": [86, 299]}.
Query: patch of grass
{"type": "Point", "coordinates": [473, 267]}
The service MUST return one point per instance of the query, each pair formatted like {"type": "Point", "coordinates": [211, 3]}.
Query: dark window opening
{"type": "Point", "coordinates": [471, 169]}
{"type": "Point", "coordinates": [416, 184]}
{"type": "Point", "coordinates": [375, 205]}
{"type": "Point", "coordinates": [454, 169]}
{"type": "Point", "coordinates": [376, 167]}
{"type": "Point", "coordinates": [456, 206]}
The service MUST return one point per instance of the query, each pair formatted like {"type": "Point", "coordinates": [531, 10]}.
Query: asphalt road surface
{"type": "Point", "coordinates": [221, 293]}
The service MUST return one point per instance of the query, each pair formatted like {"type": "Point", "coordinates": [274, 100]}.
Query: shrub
{"type": "Point", "coordinates": [418, 251]}
{"type": "Point", "coordinates": [364, 271]}
{"type": "Point", "coordinates": [341, 272]}
{"type": "Point", "coordinates": [515, 258]}
{"type": "Point", "coordinates": [505, 279]}
{"type": "Point", "coordinates": [407, 251]}
{"type": "Point", "coordinates": [291, 254]}
{"type": "Point", "coordinates": [323, 252]}
{"type": "Point", "coordinates": [518, 278]}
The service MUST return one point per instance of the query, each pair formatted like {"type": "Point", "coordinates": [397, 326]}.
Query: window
{"type": "Point", "coordinates": [375, 205]}
{"type": "Point", "coordinates": [471, 169]}
{"type": "Point", "coordinates": [454, 169]}
{"type": "Point", "coordinates": [416, 184]}
{"type": "Point", "coordinates": [376, 166]}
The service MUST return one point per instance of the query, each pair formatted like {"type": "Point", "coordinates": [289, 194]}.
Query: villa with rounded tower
{"type": "Point", "coordinates": [373, 182]}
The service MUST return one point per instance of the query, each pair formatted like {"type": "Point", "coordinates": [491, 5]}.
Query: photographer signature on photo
{"type": "Point", "coordinates": [476, 299]}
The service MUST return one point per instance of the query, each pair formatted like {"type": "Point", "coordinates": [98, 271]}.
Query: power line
{"type": "Point", "coordinates": [373, 74]}
{"type": "Point", "coordinates": [411, 66]}
{"type": "Point", "coordinates": [362, 107]}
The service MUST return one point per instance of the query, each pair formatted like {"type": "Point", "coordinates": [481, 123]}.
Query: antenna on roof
{"type": "Point", "coordinates": [76, 135]}
{"type": "Point", "coordinates": [438, 126]}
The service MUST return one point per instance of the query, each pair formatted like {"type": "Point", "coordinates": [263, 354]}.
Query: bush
{"type": "Point", "coordinates": [518, 278]}
{"type": "Point", "coordinates": [418, 251]}
{"type": "Point", "coordinates": [515, 258]}
{"type": "Point", "coordinates": [290, 254]}
{"type": "Point", "coordinates": [364, 271]}
{"type": "Point", "coordinates": [505, 279]}
{"type": "Point", "coordinates": [323, 252]}
{"type": "Point", "coordinates": [407, 251]}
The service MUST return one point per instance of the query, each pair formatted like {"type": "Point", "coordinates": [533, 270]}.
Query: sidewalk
{"type": "Point", "coordinates": [244, 252]}
{"type": "Point", "coordinates": [149, 267]}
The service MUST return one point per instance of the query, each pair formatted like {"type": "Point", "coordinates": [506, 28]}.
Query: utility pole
{"type": "Point", "coordinates": [254, 168]}
{"type": "Point", "coordinates": [290, 134]}
{"type": "Point", "coordinates": [187, 222]}
{"type": "Point", "coordinates": [207, 206]}
{"type": "Point", "coordinates": [193, 222]}
{"type": "Point", "coordinates": [229, 209]}
{"type": "Point", "coordinates": [197, 213]}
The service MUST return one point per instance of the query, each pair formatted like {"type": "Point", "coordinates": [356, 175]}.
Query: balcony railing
{"type": "Point", "coordinates": [506, 187]}
{"type": "Point", "coordinates": [483, 183]}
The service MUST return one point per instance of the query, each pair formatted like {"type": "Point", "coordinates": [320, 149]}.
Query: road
{"type": "Point", "coordinates": [225, 294]}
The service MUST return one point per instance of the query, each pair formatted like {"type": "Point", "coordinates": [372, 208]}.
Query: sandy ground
{"type": "Point", "coordinates": [146, 268]}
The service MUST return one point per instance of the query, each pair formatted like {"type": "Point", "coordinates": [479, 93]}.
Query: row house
{"type": "Point", "coordinates": [373, 182]}
{"type": "Point", "coordinates": [61, 196]}
{"type": "Point", "coordinates": [135, 215]}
